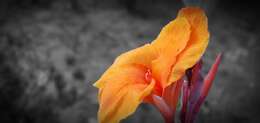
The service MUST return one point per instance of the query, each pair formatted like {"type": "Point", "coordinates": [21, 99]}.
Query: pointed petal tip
{"type": "Point", "coordinates": [190, 11]}
{"type": "Point", "coordinates": [96, 84]}
{"type": "Point", "coordinates": [188, 8]}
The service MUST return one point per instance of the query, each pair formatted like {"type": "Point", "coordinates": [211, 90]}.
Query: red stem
{"type": "Point", "coordinates": [164, 109]}
{"type": "Point", "coordinates": [185, 98]}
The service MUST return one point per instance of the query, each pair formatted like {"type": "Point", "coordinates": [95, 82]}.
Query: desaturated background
{"type": "Point", "coordinates": [52, 51]}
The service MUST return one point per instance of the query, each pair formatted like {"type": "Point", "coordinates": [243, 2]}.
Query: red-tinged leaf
{"type": "Point", "coordinates": [193, 88]}
{"type": "Point", "coordinates": [176, 93]}
{"type": "Point", "coordinates": [205, 88]}
{"type": "Point", "coordinates": [168, 94]}
{"type": "Point", "coordinates": [196, 84]}
{"type": "Point", "coordinates": [210, 76]}
{"type": "Point", "coordinates": [164, 109]}
{"type": "Point", "coordinates": [171, 94]}
{"type": "Point", "coordinates": [196, 76]}
{"type": "Point", "coordinates": [185, 97]}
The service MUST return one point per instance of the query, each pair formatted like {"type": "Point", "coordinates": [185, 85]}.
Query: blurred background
{"type": "Point", "coordinates": [52, 51]}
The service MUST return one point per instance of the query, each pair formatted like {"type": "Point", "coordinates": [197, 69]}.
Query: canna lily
{"type": "Point", "coordinates": [154, 73]}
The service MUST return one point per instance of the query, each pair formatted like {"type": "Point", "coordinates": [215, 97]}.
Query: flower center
{"type": "Point", "coordinates": [148, 75]}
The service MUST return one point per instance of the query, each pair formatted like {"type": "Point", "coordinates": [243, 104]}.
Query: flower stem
{"type": "Point", "coordinates": [164, 109]}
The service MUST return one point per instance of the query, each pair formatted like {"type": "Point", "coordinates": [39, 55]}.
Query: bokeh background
{"type": "Point", "coordinates": [52, 51]}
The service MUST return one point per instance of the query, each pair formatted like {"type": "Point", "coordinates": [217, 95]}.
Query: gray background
{"type": "Point", "coordinates": [52, 51]}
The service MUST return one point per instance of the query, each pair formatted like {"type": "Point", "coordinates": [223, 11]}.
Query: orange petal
{"type": "Point", "coordinates": [122, 94]}
{"type": "Point", "coordinates": [197, 43]}
{"type": "Point", "coordinates": [170, 42]}
{"type": "Point", "coordinates": [141, 56]}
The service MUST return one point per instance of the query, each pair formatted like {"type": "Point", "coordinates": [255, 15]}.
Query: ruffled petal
{"type": "Point", "coordinates": [196, 45]}
{"type": "Point", "coordinates": [122, 94]}
{"type": "Point", "coordinates": [170, 42]}
{"type": "Point", "coordinates": [141, 56]}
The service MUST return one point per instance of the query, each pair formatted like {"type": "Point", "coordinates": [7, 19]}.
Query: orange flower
{"type": "Point", "coordinates": [150, 69]}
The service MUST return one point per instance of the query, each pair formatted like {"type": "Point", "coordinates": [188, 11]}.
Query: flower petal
{"type": "Point", "coordinates": [170, 42]}
{"type": "Point", "coordinates": [142, 56]}
{"type": "Point", "coordinates": [196, 45]}
{"type": "Point", "coordinates": [122, 94]}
